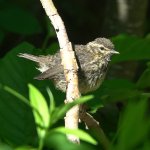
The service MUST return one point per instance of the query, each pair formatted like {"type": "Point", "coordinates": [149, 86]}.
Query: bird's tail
{"type": "Point", "coordinates": [29, 56]}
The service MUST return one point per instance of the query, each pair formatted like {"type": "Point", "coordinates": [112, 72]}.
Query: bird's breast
{"type": "Point", "coordinates": [90, 80]}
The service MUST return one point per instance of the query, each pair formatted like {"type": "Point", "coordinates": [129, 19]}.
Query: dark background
{"type": "Point", "coordinates": [121, 104]}
{"type": "Point", "coordinates": [84, 19]}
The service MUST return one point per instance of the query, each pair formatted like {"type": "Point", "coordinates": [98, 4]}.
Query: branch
{"type": "Point", "coordinates": [95, 127]}
{"type": "Point", "coordinates": [70, 66]}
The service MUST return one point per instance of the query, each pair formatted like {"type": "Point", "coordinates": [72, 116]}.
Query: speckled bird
{"type": "Point", "coordinates": [92, 58]}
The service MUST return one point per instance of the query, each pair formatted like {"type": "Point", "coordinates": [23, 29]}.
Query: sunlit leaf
{"type": "Point", "coordinates": [77, 132]}
{"type": "Point", "coordinates": [58, 141]}
{"type": "Point", "coordinates": [25, 148]}
{"type": "Point", "coordinates": [38, 101]}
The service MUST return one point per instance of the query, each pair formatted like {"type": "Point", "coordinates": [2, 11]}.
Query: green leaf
{"type": "Point", "coordinates": [5, 147]}
{"type": "Point", "coordinates": [58, 141]}
{"type": "Point", "coordinates": [50, 29]}
{"type": "Point", "coordinates": [17, 20]}
{"type": "Point", "coordinates": [25, 148]}
{"type": "Point", "coordinates": [77, 132]}
{"type": "Point", "coordinates": [61, 110]}
{"type": "Point", "coordinates": [16, 119]}
{"type": "Point", "coordinates": [53, 48]}
{"type": "Point", "coordinates": [38, 101]}
{"type": "Point", "coordinates": [134, 127]}
{"type": "Point", "coordinates": [22, 98]}
{"type": "Point", "coordinates": [117, 89]}
{"type": "Point", "coordinates": [146, 145]}
{"type": "Point", "coordinates": [2, 35]}
{"type": "Point", "coordinates": [131, 48]}
{"type": "Point", "coordinates": [52, 101]}
{"type": "Point", "coordinates": [18, 95]}
{"type": "Point", "coordinates": [144, 80]}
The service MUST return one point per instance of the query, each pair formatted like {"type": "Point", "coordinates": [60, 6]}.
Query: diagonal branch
{"type": "Point", "coordinates": [70, 66]}
{"type": "Point", "coordinates": [94, 127]}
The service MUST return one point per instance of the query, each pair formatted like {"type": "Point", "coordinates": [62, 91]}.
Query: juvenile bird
{"type": "Point", "coordinates": [92, 60]}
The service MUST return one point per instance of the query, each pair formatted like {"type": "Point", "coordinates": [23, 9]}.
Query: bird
{"type": "Point", "coordinates": [92, 59]}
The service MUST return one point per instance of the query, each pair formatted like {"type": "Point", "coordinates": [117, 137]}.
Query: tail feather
{"type": "Point", "coordinates": [29, 56]}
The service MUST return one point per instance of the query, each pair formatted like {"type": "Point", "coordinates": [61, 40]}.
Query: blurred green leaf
{"type": "Point", "coordinates": [146, 145]}
{"type": "Point", "coordinates": [38, 101]}
{"type": "Point", "coordinates": [131, 48]}
{"type": "Point", "coordinates": [77, 132]}
{"type": "Point", "coordinates": [50, 29]}
{"type": "Point", "coordinates": [18, 95]}
{"type": "Point", "coordinates": [17, 20]}
{"type": "Point", "coordinates": [52, 101]}
{"type": "Point", "coordinates": [53, 48]}
{"type": "Point", "coordinates": [58, 141]}
{"type": "Point", "coordinates": [144, 80]}
{"type": "Point", "coordinates": [5, 147]}
{"type": "Point", "coordinates": [134, 127]}
{"type": "Point", "coordinates": [25, 148]}
{"type": "Point", "coordinates": [16, 119]}
{"type": "Point", "coordinates": [117, 89]}
{"type": "Point", "coordinates": [2, 35]}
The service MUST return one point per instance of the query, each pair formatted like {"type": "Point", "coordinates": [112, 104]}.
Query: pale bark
{"type": "Point", "coordinates": [70, 66]}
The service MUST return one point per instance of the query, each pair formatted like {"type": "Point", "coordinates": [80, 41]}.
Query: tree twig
{"type": "Point", "coordinates": [70, 66]}
{"type": "Point", "coordinates": [94, 127]}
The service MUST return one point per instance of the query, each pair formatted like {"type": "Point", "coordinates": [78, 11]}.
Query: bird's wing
{"type": "Point", "coordinates": [50, 73]}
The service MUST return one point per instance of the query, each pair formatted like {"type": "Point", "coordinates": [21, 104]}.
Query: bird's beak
{"type": "Point", "coordinates": [114, 52]}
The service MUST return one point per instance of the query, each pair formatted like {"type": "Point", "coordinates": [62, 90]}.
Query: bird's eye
{"type": "Point", "coordinates": [101, 48]}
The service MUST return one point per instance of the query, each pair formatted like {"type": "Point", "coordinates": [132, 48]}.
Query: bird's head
{"type": "Point", "coordinates": [102, 47]}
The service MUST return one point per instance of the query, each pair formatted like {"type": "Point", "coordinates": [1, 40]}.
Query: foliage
{"type": "Point", "coordinates": [45, 116]}
{"type": "Point", "coordinates": [31, 117]}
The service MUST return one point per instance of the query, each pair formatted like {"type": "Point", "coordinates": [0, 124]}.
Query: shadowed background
{"type": "Point", "coordinates": [119, 102]}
